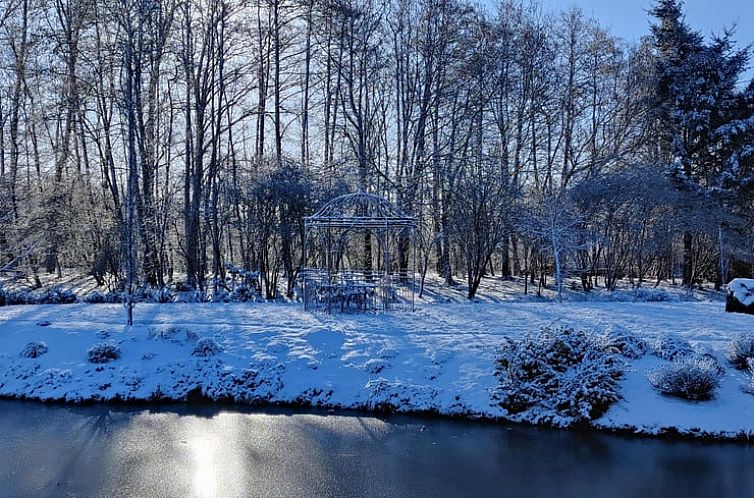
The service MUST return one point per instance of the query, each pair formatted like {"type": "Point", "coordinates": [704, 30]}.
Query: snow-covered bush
{"type": "Point", "coordinates": [741, 350]}
{"type": "Point", "coordinates": [9, 297]}
{"type": "Point", "coordinates": [374, 366]}
{"type": "Point", "coordinates": [173, 334]}
{"type": "Point", "coordinates": [643, 295]}
{"type": "Point", "coordinates": [193, 296]}
{"type": "Point", "coordinates": [692, 377]}
{"type": "Point", "coordinates": [104, 352]}
{"type": "Point", "coordinates": [95, 297]}
{"type": "Point", "coordinates": [99, 297]}
{"type": "Point", "coordinates": [670, 347]}
{"type": "Point", "coordinates": [206, 347]}
{"type": "Point", "coordinates": [221, 296]}
{"type": "Point", "coordinates": [749, 388]}
{"type": "Point", "coordinates": [159, 295]}
{"type": "Point", "coordinates": [34, 349]}
{"type": "Point", "coordinates": [163, 334]}
{"type": "Point", "coordinates": [562, 370]}
{"type": "Point", "coordinates": [620, 340]}
{"type": "Point", "coordinates": [243, 294]}
{"type": "Point", "coordinates": [56, 295]}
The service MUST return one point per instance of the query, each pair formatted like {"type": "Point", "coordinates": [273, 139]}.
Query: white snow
{"type": "Point", "coordinates": [440, 358]}
{"type": "Point", "coordinates": [743, 290]}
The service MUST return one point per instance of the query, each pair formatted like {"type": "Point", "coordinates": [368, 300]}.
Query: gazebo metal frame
{"type": "Point", "coordinates": [331, 285]}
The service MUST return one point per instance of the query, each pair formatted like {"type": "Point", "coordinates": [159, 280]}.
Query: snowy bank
{"type": "Point", "coordinates": [440, 359]}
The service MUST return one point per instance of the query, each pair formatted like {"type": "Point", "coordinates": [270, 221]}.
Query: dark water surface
{"type": "Point", "coordinates": [104, 451]}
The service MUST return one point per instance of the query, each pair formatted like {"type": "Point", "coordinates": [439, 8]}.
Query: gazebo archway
{"type": "Point", "coordinates": [352, 244]}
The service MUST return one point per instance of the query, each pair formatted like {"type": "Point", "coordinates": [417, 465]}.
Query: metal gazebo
{"type": "Point", "coordinates": [351, 243]}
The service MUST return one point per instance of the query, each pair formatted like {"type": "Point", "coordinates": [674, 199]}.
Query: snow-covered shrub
{"type": "Point", "coordinates": [56, 295]}
{"type": "Point", "coordinates": [177, 335]}
{"type": "Point", "coordinates": [749, 388]}
{"type": "Point", "coordinates": [181, 286]}
{"type": "Point", "coordinates": [163, 334]}
{"type": "Point", "coordinates": [561, 370]}
{"type": "Point", "coordinates": [713, 360]}
{"type": "Point", "coordinates": [692, 377]}
{"type": "Point", "coordinates": [34, 349]}
{"type": "Point", "coordinates": [374, 366]}
{"type": "Point", "coordinates": [159, 295]}
{"type": "Point", "coordinates": [104, 352]}
{"type": "Point", "coordinates": [260, 382]}
{"type": "Point", "coordinates": [95, 297]}
{"type": "Point", "coordinates": [193, 296]}
{"type": "Point", "coordinates": [670, 347]}
{"type": "Point", "coordinates": [99, 297]}
{"type": "Point", "coordinates": [383, 395]}
{"type": "Point", "coordinates": [206, 347]}
{"type": "Point", "coordinates": [647, 295]}
{"type": "Point", "coordinates": [642, 295]}
{"type": "Point", "coordinates": [9, 297]}
{"type": "Point", "coordinates": [13, 297]}
{"type": "Point", "coordinates": [243, 294]}
{"type": "Point", "coordinates": [221, 296]}
{"type": "Point", "coordinates": [622, 341]}
{"type": "Point", "coordinates": [741, 350]}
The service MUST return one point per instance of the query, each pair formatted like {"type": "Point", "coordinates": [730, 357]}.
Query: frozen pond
{"type": "Point", "coordinates": [50, 450]}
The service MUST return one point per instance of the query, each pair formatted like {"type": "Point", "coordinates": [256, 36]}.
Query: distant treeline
{"type": "Point", "coordinates": [147, 141]}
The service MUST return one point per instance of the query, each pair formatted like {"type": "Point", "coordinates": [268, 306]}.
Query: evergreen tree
{"type": "Point", "coordinates": [701, 114]}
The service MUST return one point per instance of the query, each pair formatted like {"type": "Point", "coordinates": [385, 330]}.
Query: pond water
{"type": "Point", "coordinates": [52, 450]}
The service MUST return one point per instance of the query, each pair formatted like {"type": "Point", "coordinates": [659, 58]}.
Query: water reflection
{"type": "Point", "coordinates": [206, 452]}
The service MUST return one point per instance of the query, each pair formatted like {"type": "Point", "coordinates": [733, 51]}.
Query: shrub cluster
{"type": "Point", "coordinates": [173, 334]}
{"type": "Point", "coordinates": [206, 347]}
{"type": "Point", "coordinates": [741, 356]}
{"type": "Point", "coordinates": [670, 347]}
{"type": "Point", "coordinates": [99, 297]}
{"type": "Point", "coordinates": [741, 350]}
{"type": "Point", "coordinates": [56, 295]}
{"type": "Point", "coordinates": [194, 296]}
{"type": "Point", "coordinates": [34, 349]}
{"type": "Point", "coordinates": [61, 295]}
{"type": "Point", "coordinates": [691, 377]}
{"type": "Point", "coordinates": [621, 341]}
{"type": "Point", "coordinates": [53, 295]}
{"type": "Point", "coordinates": [561, 369]}
{"type": "Point", "coordinates": [243, 294]}
{"type": "Point", "coordinates": [642, 295]}
{"type": "Point", "coordinates": [158, 295]}
{"type": "Point", "coordinates": [104, 352]}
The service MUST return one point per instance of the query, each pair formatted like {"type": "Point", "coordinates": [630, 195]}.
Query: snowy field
{"type": "Point", "coordinates": [441, 358]}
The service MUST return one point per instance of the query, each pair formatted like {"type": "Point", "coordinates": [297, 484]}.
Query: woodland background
{"type": "Point", "coordinates": [157, 143]}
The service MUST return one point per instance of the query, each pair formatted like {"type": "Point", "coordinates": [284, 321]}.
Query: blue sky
{"type": "Point", "coordinates": [629, 19]}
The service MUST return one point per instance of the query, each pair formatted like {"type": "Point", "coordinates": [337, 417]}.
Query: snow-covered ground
{"type": "Point", "coordinates": [440, 358]}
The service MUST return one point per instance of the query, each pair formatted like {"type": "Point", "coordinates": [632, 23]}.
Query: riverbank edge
{"type": "Point", "coordinates": [196, 398]}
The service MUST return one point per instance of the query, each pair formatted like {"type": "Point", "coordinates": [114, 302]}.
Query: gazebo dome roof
{"type": "Point", "coordinates": [360, 210]}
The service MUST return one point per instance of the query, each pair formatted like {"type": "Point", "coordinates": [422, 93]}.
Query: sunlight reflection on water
{"type": "Point", "coordinates": [207, 452]}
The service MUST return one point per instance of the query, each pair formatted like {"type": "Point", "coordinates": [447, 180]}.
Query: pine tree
{"type": "Point", "coordinates": [698, 109]}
